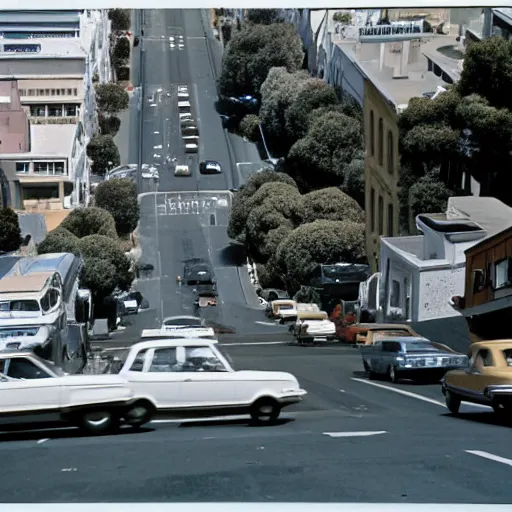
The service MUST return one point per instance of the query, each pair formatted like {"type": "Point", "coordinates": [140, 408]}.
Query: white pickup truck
{"type": "Point", "coordinates": [35, 393]}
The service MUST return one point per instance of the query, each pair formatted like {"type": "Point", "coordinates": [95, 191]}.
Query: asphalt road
{"type": "Point", "coordinates": [319, 452]}
{"type": "Point", "coordinates": [186, 217]}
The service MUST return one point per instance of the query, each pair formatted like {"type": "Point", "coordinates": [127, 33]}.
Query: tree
{"type": "Point", "coordinates": [59, 240]}
{"type": "Point", "coordinates": [428, 195]}
{"type": "Point", "coordinates": [119, 198]}
{"type": "Point", "coordinates": [315, 93]}
{"type": "Point", "coordinates": [83, 222]}
{"type": "Point", "coordinates": [322, 241]}
{"type": "Point", "coordinates": [263, 16]}
{"type": "Point", "coordinates": [487, 71]}
{"type": "Point", "coordinates": [308, 295]}
{"type": "Point", "coordinates": [353, 184]}
{"type": "Point", "coordinates": [240, 208]}
{"type": "Point", "coordinates": [94, 246]}
{"type": "Point", "coordinates": [330, 204]}
{"type": "Point", "coordinates": [279, 90]}
{"type": "Point", "coordinates": [121, 19]}
{"type": "Point", "coordinates": [121, 52]}
{"type": "Point", "coordinates": [99, 276]}
{"type": "Point", "coordinates": [104, 153]}
{"type": "Point", "coordinates": [319, 159]}
{"type": "Point", "coordinates": [250, 127]}
{"type": "Point", "coordinates": [10, 233]}
{"type": "Point", "coordinates": [109, 125]}
{"type": "Point", "coordinates": [111, 98]}
{"type": "Point", "coordinates": [251, 54]}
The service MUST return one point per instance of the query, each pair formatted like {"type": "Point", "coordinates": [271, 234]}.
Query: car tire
{"type": "Point", "coordinates": [453, 402]}
{"type": "Point", "coordinates": [392, 374]}
{"type": "Point", "coordinates": [139, 414]}
{"type": "Point", "coordinates": [99, 421]}
{"type": "Point", "coordinates": [265, 411]}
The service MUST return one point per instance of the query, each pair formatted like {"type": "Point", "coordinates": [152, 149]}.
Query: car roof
{"type": "Point", "coordinates": [169, 343]}
{"type": "Point", "coordinates": [7, 353]}
{"type": "Point", "coordinates": [211, 162]}
{"type": "Point", "coordinates": [492, 343]}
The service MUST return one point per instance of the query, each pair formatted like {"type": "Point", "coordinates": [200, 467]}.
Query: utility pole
{"type": "Point", "coordinates": [142, 66]}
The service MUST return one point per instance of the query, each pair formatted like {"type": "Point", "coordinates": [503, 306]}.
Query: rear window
{"type": "Point", "coordinates": [417, 347]}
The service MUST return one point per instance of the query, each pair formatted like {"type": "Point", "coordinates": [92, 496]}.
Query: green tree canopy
{"type": "Point", "coordinates": [83, 222]}
{"type": "Point", "coordinates": [353, 184]}
{"type": "Point", "coordinates": [119, 198]}
{"type": "Point", "coordinates": [263, 16]}
{"type": "Point", "coordinates": [308, 295]}
{"type": "Point", "coordinates": [94, 246]}
{"type": "Point", "coordinates": [322, 241]}
{"type": "Point", "coordinates": [240, 208]}
{"type": "Point", "coordinates": [99, 276]}
{"type": "Point", "coordinates": [253, 51]}
{"type": "Point", "coordinates": [319, 159]}
{"type": "Point", "coordinates": [330, 204]}
{"type": "Point", "coordinates": [314, 93]}
{"type": "Point", "coordinates": [279, 90]}
{"type": "Point", "coordinates": [104, 153]}
{"type": "Point", "coordinates": [59, 240]}
{"type": "Point", "coordinates": [428, 195]}
{"type": "Point", "coordinates": [109, 125]}
{"type": "Point", "coordinates": [121, 52]}
{"type": "Point", "coordinates": [487, 71]}
{"type": "Point", "coordinates": [10, 233]}
{"type": "Point", "coordinates": [111, 98]}
{"type": "Point", "coordinates": [121, 19]}
{"type": "Point", "coordinates": [249, 127]}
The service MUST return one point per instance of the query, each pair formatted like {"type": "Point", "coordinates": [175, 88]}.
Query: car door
{"type": "Point", "coordinates": [32, 388]}
{"type": "Point", "coordinates": [157, 373]}
{"type": "Point", "coordinates": [208, 383]}
{"type": "Point", "coordinates": [375, 356]}
{"type": "Point", "coordinates": [388, 354]}
{"type": "Point", "coordinates": [475, 377]}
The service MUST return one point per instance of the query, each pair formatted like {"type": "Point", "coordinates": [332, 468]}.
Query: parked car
{"type": "Point", "coordinates": [312, 326]}
{"type": "Point", "coordinates": [34, 392]}
{"type": "Point", "coordinates": [486, 379]}
{"type": "Point", "coordinates": [408, 357]}
{"type": "Point", "coordinates": [210, 167]}
{"type": "Point", "coordinates": [191, 378]}
{"type": "Point", "coordinates": [284, 310]}
{"type": "Point", "coordinates": [182, 170]}
{"type": "Point", "coordinates": [198, 271]}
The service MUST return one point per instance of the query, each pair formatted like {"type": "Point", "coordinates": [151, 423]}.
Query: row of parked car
{"type": "Point", "coordinates": [179, 370]}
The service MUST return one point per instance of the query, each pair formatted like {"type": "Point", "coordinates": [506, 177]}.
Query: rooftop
{"type": "Point", "coordinates": [414, 79]}
{"type": "Point", "coordinates": [44, 48]}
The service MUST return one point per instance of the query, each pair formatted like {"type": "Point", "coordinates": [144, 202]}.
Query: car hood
{"type": "Point", "coordinates": [260, 375]}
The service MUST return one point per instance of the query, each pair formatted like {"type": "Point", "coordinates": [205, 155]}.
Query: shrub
{"type": "Point", "coordinates": [250, 127]}
{"type": "Point", "coordinates": [10, 233]}
{"type": "Point", "coordinates": [59, 240]}
{"type": "Point", "coordinates": [111, 98]}
{"type": "Point", "coordinates": [103, 152]}
{"type": "Point", "coordinates": [121, 19]}
{"type": "Point", "coordinates": [83, 222]}
{"type": "Point", "coordinates": [109, 125]}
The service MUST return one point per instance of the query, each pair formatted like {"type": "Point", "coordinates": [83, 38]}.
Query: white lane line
{"type": "Point", "coordinates": [490, 456]}
{"type": "Point", "coordinates": [401, 392]}
{"type": "Point", "coordinates": [210, 419]}
{"type": "Point", "coordinates": [41, 441]}
{"type": "Point", "coordinates": [271, 324]}
{"type": "Point", "coordinates": [354, 434]}
{"type": "Point", "coordinates": [415, 395]}
{"type": "Point", "coordinates": [254, 343]}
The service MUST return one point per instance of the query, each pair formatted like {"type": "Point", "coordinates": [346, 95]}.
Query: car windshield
{"type": "Point", "coordinates": [19, 305]}
{"type": "Point", "coordinates": [507, 354]}
{"type": "Point", "coordinates": [16, 332]}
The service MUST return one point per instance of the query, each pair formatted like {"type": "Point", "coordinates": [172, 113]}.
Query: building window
{"type": "Point", "coordinates": [381, 142]}
{"type": "Point", "coordinates": [22, 92]}
{"type": "Point", "coordinates": [31, 92]}
{"type": "Point", "coordinates": [58, 167]}
{"type": "Point", "coordinates": [53, 93]}
{"type": "Point", "coordinates": [38, 110]}
{"type": "Point", "coordinates": [40, 92]}
{"type": "Point", "coordinates": [391, 223]}
{"type": "Point", "coordinates": [69, 92]}
{"type": "Point", "coordinates": [75, 92]}
{"type": "Point", "coordinates": [502, 274]}
{"type": "Point", "coordinates": [70, 110]}
{"type": "Point", "coordinates": [22, 167]}
{"type": "Point", "coordinates": [54, 110]}
{"type": "Point", "coordinates": [372, 209]}
{"type": "Point", "coordinates": [394, 299]}
{"type": "Point", "coordinates": [391, 153]}
{"type": "Point", "coordinates": [372, 133]}
{"type": "Point", "coordinates": [381, 215]}
{"type": "Point", "coordinates": [49, 168]}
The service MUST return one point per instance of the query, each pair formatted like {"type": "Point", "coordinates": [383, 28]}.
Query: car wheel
{"type": "Point", "coordinates": [453, 402]}
{"type": "Point", "coordinates": [392, 374]}
{"type": "Point", "coordinates": [265, 410]}
{"type": "Point", "coordinates": [139, 414]}
{"type": "Point", "coordinates": [99, 422]}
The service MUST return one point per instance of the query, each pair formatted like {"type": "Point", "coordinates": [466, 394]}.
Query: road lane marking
{"type": "Point", "coordinates": [255, 343]}
{"type": "Point", "coordinates": [270, 324]}
{"type": "Point", "coordinates": [490, 456]}
{"type": "Point", "coordinates": [41, 441]}
{"type": "Point", "coordinates": [416, 395]}
{"type": "Point", "coordinates": [354, 434]}
{"type": "Point", "coordinates": [204, 420]}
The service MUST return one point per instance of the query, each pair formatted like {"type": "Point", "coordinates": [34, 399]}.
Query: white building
{"type": "Point", "coordinates": [420, 273]}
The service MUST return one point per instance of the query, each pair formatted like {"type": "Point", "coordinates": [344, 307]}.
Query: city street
{"type": "Point", "coordinates": [350, 440]}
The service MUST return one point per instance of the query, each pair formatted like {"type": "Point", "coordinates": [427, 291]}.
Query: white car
{"type": "Point", "coordinates": [191, 378]}
{"type": "Point", "coordinates": [183, 320]}
{"type": "Point", "coordinates": [313, 326]}
{"type": "Point", "coordinates": [182, 170]}
{"type": "Point", "coordinates": [35, 392]}
{"type": "Point", "coordinates": [178, 332]}
{"type": "Point", "coordinates": [191, 147]}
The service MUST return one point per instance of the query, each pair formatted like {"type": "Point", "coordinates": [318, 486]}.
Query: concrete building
{"type": "Point", "coordinates": [419, 274]}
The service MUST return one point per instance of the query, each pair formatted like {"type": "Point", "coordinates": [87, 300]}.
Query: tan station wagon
{"type": "Point", "coordinates": [487, 380]}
